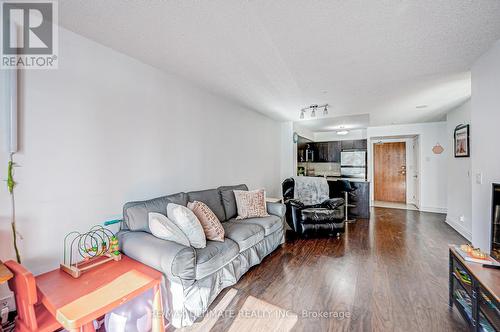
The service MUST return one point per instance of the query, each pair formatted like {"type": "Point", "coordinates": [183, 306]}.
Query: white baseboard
{"type": "Point", "coordinates": [433, 209]}
{"type": "Point", "coordinates": [459, 228]}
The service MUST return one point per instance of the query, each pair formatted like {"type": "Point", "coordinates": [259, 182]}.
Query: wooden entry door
{"type": "Point", "coordinates": [390, 172]}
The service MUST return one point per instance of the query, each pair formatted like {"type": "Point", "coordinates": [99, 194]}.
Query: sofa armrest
{"type": "Point", "coordinates": [171, 258]}
{"type": "Point", "coordinates": [276, 209]}
{"type": "Point", "coordinates": [295, 203]}
{"type": "Point", "coordinates": [333, 203]}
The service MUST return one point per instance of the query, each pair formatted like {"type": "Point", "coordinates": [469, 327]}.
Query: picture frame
{"type": "Point", "coordinates": [462, 141]}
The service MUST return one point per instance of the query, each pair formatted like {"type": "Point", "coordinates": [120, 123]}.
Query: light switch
{"type": "Point", "coordinates": [479, 178]}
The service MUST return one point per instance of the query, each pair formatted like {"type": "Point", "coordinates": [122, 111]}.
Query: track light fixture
{"type": "Point", "coordinates": [313, 109]}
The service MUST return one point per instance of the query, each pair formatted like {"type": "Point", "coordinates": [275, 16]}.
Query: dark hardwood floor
{"type": "Point", "coordinates": [389, 273]}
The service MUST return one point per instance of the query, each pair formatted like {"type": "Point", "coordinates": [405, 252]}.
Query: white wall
{"type": "Point", "coordinates": [459, 191]}
{"type": "Point", "coordinates": [303, 131]}
{"type": "Point", "coordinates": [104, 129]}
{"type": "Point", "coordinates": [485, 151]}
{"type": "Point", "coordinates": [288, 151]}
{"type": "Point", "coordinates": [332, 135]}
{"type": "Point", "coordinates": [432, 167]}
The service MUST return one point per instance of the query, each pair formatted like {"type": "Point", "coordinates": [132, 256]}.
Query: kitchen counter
{"type": "Point", "coordinates": [360, 198]}
{"type": "Point", "coordinates": [335, 178]}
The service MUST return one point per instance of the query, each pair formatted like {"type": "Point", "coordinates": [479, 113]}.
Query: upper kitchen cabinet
{"type": "Point", "coordinates": [327, 152]}
{"type": "Point", "coordinates": [347, 144]}
{"type": "Point", "coordinates": [360, 144]}
{"type": "Point", "coordinates": [334, 149]}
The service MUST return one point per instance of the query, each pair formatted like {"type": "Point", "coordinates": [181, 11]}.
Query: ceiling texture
{"type": "Point", "coordinates": [382, 58]}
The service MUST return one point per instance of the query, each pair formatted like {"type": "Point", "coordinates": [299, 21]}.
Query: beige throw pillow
{"type": "Point", "coordinates": [251, 204]}
{"type": "Point", "coordinates": [211, 224]}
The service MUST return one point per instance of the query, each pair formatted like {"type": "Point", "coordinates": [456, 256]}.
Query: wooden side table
{"type": "Point", "coordinates": [5, 274]}
{"type": "Point", "coordinates": [76, 303]}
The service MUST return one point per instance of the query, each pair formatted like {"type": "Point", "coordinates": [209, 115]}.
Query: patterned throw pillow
{"type": "Point", "coordinates": [251, 204]}
{"type": "Point", "coordinates": [186, 220]}
{"type": "Point", "coordinates": [211, 224]}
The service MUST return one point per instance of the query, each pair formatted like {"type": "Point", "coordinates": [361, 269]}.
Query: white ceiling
{"type": "Point", "coordinates": [381, 58]}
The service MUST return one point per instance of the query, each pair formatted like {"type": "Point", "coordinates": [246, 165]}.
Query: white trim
{"type": "Point", "coordinates": [433, 209]}
{"type": "Point", "coordinates": [459, 228]}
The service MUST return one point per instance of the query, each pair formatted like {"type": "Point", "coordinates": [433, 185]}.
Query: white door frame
{"type": "Point", "coordinates": [412, 186]}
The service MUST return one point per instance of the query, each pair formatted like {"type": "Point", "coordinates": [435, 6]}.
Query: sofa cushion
{"type": "Point", "coordinates": [270, 224]}
{"type": "Point", "coordinates": [244, 234]}
{"type": "Point", "coordinates": [135, 214]}
{"type": "Point", "coordinates": [214, 256]}
{"type": "Point", "coordinates": [320, 215]}
{"type": "Point", "coordinates": [211, 198]}
{"type": "Point", "coordinates": [228, 199]}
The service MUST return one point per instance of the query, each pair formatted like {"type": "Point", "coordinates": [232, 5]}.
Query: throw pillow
{"type": "Point", "coordinates": [163, 228]}
{"type": "Point", "coordinates": [251, 204]}
{"type": "Point", "coordinates": [186, 220]}
{"type": "Point", "coordinates": [211, 224]}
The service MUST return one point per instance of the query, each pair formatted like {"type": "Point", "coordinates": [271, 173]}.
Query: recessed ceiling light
{"type": "Point", "coordinates": [342, 132]}
{"type": "Point", "coordinates": [421, 106]}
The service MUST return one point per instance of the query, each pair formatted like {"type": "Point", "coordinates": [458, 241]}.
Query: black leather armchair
{"type": "Point", "coordinates": [326, 218]}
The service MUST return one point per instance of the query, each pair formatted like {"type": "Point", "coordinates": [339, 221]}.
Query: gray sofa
{"type": "Point", "coordinates": [194, 277]}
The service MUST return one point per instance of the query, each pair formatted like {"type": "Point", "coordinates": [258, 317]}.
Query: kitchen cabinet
{"type": "Point", "coordinates": [359, 144]}
{"type": "Point", "coordinates": [326, 152]}
{"type": "Point", "coordinates": [322, 152]}
{"type": "Point", "coordinates": [347, 144]}
{"type": "Point", "coordinates": [360, 198]}
{"type": "Point", "coordinates": [334, 149]}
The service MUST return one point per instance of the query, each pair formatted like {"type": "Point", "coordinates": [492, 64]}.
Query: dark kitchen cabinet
{"type": "Point", "coordinates": [360, 200]}
{"type": "Point", "coordinates": [347, 144]}
{"type": "Point", "coordinates": [334, 149]}
{"type": "Point", "coordinates": [322, 152]}
{"type": "Point", "coordinates": [327, 152]}
{"type": "Point", "coordinates": [358, 144]}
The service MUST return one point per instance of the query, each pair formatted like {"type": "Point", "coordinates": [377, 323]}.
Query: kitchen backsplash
{"type": "Point", "coordinates": [328, 169]}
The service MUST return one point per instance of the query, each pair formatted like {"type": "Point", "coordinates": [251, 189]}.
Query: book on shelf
{"type": "Point", "coordinates": [467, 256]}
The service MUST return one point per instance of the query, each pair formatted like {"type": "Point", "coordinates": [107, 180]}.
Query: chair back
{"type": "Point", "coordinates": [288, 186]}
{"type": "Point", "coordinates": [24, 287]}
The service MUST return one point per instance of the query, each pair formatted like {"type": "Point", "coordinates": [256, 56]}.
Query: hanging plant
{"type": "Point", "coordinates": [11, 184]}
